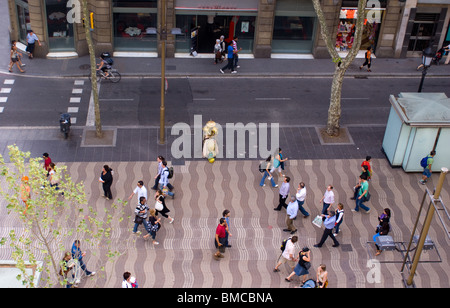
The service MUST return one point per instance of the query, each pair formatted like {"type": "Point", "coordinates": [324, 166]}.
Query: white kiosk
{"type": "Point", "coordinates": [417, 124]}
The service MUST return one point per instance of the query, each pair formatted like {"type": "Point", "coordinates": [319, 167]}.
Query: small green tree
{"type": "Point", "coordinates": [53, 219]}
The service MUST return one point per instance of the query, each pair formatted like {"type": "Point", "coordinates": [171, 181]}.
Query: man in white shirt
{"type": "Point", "coordinates": [301, 196]}
{"type": "Point", "coordinates": [140, 190]}
{"type": "Point", "coordinates": [291, 211]}
{"type": "Point", "coordinates": [288, 255]}
{"type": "Point", "coordinates": [284, 192]}
{"type": "Point", "coordinates": [327, 199]}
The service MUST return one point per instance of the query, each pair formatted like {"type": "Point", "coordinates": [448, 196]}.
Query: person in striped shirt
{"type": "Point", "coordinates": [235, 52]}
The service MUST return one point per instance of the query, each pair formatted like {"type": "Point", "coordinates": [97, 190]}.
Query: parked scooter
{"type": "Point", "coordinates": [64, 124]}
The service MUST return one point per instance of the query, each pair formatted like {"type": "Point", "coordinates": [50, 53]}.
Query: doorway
{"type": "Point", "coordinates": [211, 27]}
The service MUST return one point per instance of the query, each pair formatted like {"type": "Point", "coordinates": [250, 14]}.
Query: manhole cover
{"type": "Point", "coordinates": [85, 66]}
{"type": "Point", "coordinates": [171, 67]}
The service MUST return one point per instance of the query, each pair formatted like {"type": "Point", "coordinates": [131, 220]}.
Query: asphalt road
{"type": "Point", "coordinates": [135, 101]}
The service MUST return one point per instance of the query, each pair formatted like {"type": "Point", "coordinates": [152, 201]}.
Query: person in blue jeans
{"type": "Point", "coordinates": [362, 193]}
{"type": "Point", "coordinates": [301, 196]}
{"type": "Point", "coordinates": [141, 211]}
{"type": "Point", "coordinates": [230, 59]}
{"type": "Point", "coordinates": [267, 173]}
{"type": "Point", "coordinates": [164, 180]}
{"type": "Point", "coordinates": [339, 218]}
{"type": "Point", "coordinates": [77, 254]}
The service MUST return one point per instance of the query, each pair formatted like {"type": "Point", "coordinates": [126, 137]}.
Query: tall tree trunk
{"type": "Point", "coordinates": [341, 65]}
{"type": "Point", "coordinates": [90, 43]}
{"type": "Point", "coordinates": [334, 110]}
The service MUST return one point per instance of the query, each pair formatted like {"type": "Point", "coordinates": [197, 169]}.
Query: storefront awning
{"type": "Point", "coordinates": [217, 5]}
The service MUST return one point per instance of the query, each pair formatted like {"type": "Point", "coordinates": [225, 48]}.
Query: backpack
{"type": "Point", "coordinates": [110, 61]}
{"type": "Point", "coordinates": [423, 162]}
{"type": "Point", "coordinates": [283, 244]}
{"type": "Point", "coordinates": [170, 173]}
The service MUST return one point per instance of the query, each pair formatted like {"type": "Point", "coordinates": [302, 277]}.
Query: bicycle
{"type": "Point", "coordinates": [113, 75]}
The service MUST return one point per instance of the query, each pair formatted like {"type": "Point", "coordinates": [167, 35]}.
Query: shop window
{"type": "Point", "coordinates": [23, 16]}
{"type": "Point", "coordinates": [135, 31]}
{"type": "Point", "coordinates": [211, 27]}
{"type": "Point", "coordinates": [60, 31]}
{"type": "Point", "coordinates": [294, 26]}
{"type": "Point", "coordinates": [293, 34]}
{"type": "Point", "coordinates": [135, 23]}
{"type": "Point", "coordinates": [347, 27]}
{"type": "Point", "coordinates": [135, 3]}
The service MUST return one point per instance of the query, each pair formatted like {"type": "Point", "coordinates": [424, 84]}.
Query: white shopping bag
{"type": "Point", "coordinates": [318, 221]}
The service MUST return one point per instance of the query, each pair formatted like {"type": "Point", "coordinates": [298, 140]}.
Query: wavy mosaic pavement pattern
{"type": "Point", "coordinates": [184, 258]}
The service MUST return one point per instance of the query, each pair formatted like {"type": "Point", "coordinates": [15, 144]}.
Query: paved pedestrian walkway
{"type": "Point", "coordinates": [184, 257]}
{"type": "Point", "coordinates": [196, 67]}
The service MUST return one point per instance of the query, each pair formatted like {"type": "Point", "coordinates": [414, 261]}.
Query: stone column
{"type": "Point", "coordinates": [389, 30]}
{"type": "Point", "coordinates": [170, 23]}
{"type": "Point", "coordinates": [402, 25]}
{"type": "Point", "coordinates": [331, 11]}
{"type": "Point", "coordinates": [38, 23]}
{"type": "Point", "coordinates": [262, 47]}
{"type": "Point", "coordinates": [103, 28]}
{"type": "Point", "coordinates": [13, 23]}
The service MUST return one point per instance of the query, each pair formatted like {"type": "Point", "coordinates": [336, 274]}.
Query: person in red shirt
{"type": "Point", "coordinates": [367, 163]}
{"type": "Point", "coordinates": [220, 238]}
{"type": "Point", "coordinates": [47, 162]}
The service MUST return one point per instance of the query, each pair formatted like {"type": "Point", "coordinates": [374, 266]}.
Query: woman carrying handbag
{"type": "Point", "coordinates": [160, 205]}
{"type": "Point", "coordinates": [303, 265]}
{"type": "Point", "coordinates": [153, 226]}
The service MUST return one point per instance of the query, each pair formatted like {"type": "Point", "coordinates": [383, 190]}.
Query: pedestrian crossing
{"type": "Point", "coordinates": [5, 90]}
{"type": "Point", "coordinates": [184, 257]}
{"type": "Point", "coordinates": [75, 100]}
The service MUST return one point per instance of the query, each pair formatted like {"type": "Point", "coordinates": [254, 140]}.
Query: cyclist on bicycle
{"type": "Point", "coordinates": [106, 63]}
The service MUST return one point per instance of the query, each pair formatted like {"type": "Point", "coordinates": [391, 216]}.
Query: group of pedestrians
{"type": "Point", "coordinates": [16, 56]}
{"type": "Point", "coordinates": [232, 52]}
{"type": "Point", "coordinates": [149, 216]}
{"type": "Point", "coordinates": [272, 163]}
{"type": "Point", "coordinates": [331, 219]}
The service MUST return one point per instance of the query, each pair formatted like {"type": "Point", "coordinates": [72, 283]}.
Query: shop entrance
{"type": "Point", "coordinates": [211, 27]}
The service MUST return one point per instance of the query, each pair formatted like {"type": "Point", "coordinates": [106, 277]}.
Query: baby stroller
{"type": "Point", "coordinates": [309, 284]}
{"type": "Point", "coordinates": [437, 57]}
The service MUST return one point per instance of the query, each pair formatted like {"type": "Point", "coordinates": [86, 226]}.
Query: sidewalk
{"type": "Point", "coordinates": [184, 257]}
{"type": "Point", "coordinates": [250, 67]}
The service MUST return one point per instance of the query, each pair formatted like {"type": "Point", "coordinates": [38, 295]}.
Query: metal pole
{"type": "Point", "coordinates": [424, 72]}
{"type": "Point", "coordinates": [414, 231]}
{"type": "Point", "coordinates": [426, 227]}
{"type": "Point", "coordinates": [163, 38]}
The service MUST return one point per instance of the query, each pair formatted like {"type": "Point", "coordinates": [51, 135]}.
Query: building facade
{"type": "Point", "coordinates": [265, 28]}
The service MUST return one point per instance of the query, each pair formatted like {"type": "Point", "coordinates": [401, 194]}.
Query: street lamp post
{"type": "Point", "coordinates": [427, 57]}
{"type": "Point", "coordinates": [163, 37]}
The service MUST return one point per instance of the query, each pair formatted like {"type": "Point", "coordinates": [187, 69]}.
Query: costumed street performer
{"type": "Point", "coordinates": [210, 148]}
